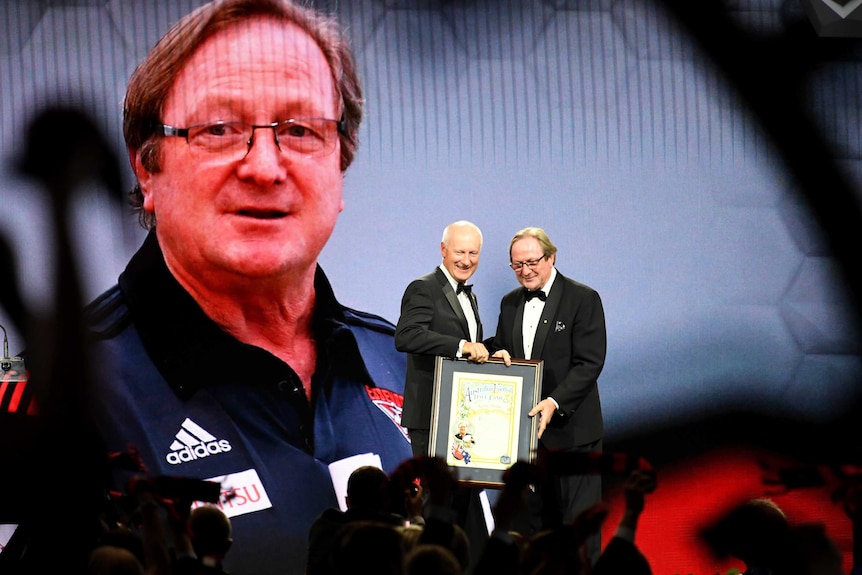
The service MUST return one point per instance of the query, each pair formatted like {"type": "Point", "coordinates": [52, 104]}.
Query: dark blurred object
{"type": "Point", "coordinates": [849, 491]}
{"type": "Point", "coordinates": [185, 489]}
{"type": "Point", "coordinates": [561, 550]}
{"type": "Point", "coordinates": [835, 18]}
{"type": "Point", "coordinates": [849, 494]}
{"type": "Point", "coordinates": [771, 76]}
{"type": "Point", "coordinates": [11, 300]}
{"type": "Point", "coordinates": [784, 479]}
{"type": "Point", "coordinates": [65, 149]}
{"type": "Point", "coordinates": [129, 460]}
{"type": "Point", "coordinates": [782, 475]}
{"type": "Point", "coordinates": [50, 448]}
{"type": "Point", "coordinates": [592, 463]}
{"type": "Point", "coordinates": [756, 532]}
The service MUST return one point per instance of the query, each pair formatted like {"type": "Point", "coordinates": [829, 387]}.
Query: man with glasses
{"type": "Point", "coordinates": [224, 353]}
{"type": "Point", "coordinates": [561, 322]}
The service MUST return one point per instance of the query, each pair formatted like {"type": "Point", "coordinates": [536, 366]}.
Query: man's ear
{"type": "Point", "coordinates": [144, 178]}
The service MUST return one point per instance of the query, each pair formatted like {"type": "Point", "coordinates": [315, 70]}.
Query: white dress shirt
{"type": "Point", "coordinates": [467, 307]}
{"type": "Point", "coordinates": [533, 314]}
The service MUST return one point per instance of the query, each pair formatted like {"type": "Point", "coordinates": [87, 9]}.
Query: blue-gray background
{"type": "Point", "coordinates": [598, 120]}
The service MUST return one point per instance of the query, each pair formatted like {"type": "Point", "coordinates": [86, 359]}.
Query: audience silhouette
{"type": "Point", "coordinates": [209, 533]}
{"type": "Point", "coordinates": [405, 523]}
{"type": "Point", "coordinates": [368, 547]}
{"type": "Point", "coordinates": [110, 560]}
{"type": "Point", "coordinates": [368, 501]}
{"type": "Point", "coordinates": [755, 532]}
{"type": "Point", "coordinates": [758, 533]}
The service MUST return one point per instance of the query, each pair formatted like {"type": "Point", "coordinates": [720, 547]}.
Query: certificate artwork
{"type": "Point", "coordinates": [484, 416]}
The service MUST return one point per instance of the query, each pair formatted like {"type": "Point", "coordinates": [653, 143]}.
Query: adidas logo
{"type": "Point", "coordinates": [194, 442]}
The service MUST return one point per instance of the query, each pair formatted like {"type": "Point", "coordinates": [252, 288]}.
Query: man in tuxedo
{"type": "Point", "coordinates": [439, 316]}
{"type": "Point", "coordinates": [560, 321]}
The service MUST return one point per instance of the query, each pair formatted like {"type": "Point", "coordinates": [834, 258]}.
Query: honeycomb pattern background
{"type": "Point", "coordinates": [599, 120]}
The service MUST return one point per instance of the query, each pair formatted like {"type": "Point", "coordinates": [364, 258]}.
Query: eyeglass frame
{"type": "Point", "coordinates": [530, 264]}
{"type": "Point", "coordinates": [169, 131]}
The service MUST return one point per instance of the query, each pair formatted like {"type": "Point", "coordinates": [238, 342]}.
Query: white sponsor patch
{"type": "Point", "coordinates": [241, 493]}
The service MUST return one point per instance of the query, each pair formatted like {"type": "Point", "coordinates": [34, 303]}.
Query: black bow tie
{"type": "Point", "coordinates": [467, 289]}
{"type": "Point", "coordinates": [530, 294]}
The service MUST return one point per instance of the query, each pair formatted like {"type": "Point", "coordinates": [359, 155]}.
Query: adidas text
{"type": "Point", "coordinates": [187, 454]}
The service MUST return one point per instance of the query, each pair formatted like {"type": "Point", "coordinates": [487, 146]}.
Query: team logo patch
{"type": "Point", "coordinates": [194, 442]}
{"type": "Point", "coordinates": [389, 403]}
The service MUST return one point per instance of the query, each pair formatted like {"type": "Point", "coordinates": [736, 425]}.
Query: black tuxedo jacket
{"type": "Point", "coordinates": [571, 341]}
{"type": "Point", "coordinates": [432, 323]}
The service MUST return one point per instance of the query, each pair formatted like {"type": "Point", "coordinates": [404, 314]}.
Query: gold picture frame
{"type": "Point", "coordinates": [479, 421]}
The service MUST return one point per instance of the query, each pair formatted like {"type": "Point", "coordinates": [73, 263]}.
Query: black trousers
{"type": "Point", "coordinates": [420, 441]}
{"type": "Point", "coordinates": [559, 502]}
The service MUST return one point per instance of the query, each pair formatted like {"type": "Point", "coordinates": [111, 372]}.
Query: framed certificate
{"type": "Point", "coordinates": [479, 421]}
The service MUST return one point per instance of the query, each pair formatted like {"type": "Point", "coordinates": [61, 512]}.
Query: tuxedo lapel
{"type": "Point", "coordinates": [475, 303]}
{"type": "Point", "coordinates": [546, 322]}
{"type": "Point", "coordinates": [450, 296]}
{"type": "Point", "coordinates": [518, 330]}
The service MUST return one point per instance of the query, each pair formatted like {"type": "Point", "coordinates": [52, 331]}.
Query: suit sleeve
{"type": "Point", "coordinates": [414, 333]}
{"type": "Point", "coordinates": [588, 347]}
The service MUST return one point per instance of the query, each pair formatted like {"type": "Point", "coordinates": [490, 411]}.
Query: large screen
{"type": "Point", "coordinates": [602, 122]}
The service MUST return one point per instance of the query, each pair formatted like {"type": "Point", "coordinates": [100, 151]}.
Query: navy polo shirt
{"type": "Point", "coordinates": [198, 403]}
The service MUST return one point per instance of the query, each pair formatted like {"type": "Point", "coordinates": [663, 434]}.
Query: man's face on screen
{"type": "Point", "coordinates": [240, 201]}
